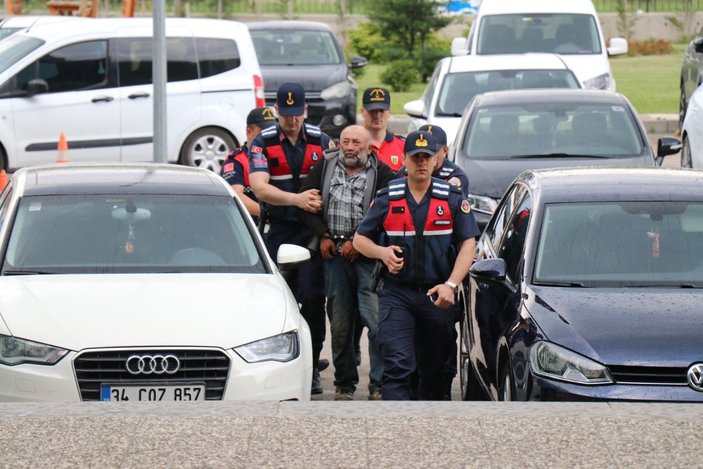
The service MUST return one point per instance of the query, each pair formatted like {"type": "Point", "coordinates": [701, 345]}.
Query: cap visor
{"type": "Point", "coordinates": [291, 111]}
{"type": "Point", "coordinates": [429, 151]}
{"type": "Point", "coordinates": [374, 106]}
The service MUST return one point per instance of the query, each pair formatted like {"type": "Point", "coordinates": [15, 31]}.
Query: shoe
{"type": "Point", "coordinates": [376, 395]}
{"type": "Point", "coordinates": [322, 364]}
{"type": "Point", "coordinates": [342, 394]}
{"type": "Point", "coordinates": [357, 358]}
{"type": "Point", "coordinates": [316, 387]}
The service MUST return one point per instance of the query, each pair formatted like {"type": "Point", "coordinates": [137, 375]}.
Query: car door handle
{"type": "Point", "coordinates": [102, 99]}
{"type": "Point", "coordinates": [138, 95]}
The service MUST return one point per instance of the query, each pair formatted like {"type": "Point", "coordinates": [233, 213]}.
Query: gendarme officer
{"type": "Point", "coordinates": [422, 229]}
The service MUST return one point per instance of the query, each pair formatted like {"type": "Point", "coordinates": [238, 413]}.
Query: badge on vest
{"type": "Point", "coordinates": [440, 210]}
{"type": "Point", "coordinates": [465, 206]}
{"type": "Point", "coordinates": [394, 159]}
{"type": "Point", "coordinates": [315, 156]}
{"type": "Point", "coordinates": [398, 210]}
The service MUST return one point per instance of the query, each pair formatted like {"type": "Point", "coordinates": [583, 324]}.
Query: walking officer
{"type": "Point", "coordinates": [376, 112]}
{"type": "Point", "coordinates": [281, 158]}
{"type": "Point", "coordinates": [422, 229]}
{"type": "Point", "coordinates": [235, 169]}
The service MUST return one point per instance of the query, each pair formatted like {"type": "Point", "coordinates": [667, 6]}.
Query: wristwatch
{"type": "Point", "coordinates": [453, 285]}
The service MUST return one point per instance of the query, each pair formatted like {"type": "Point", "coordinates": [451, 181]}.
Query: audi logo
{"type": "Point", "coordinates": [153, 364]}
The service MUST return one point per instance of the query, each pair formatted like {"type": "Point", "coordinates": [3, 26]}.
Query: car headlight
{"type": "Point", "coordinates": [601, 82]}
{"type": "Point", "coordinates": [279, 348]}
{"type": "Point", "coordinates": [553, 361]}
{"type": "Point", "coordinates": [483, 204]}
{"type": "Point", "coordinates": [336, 91]}
{"type": "Point", "coordinates": [14, 351]}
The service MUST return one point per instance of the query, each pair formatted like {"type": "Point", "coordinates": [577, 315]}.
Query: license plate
{"type": "Point", "coordinates": [152, 393]}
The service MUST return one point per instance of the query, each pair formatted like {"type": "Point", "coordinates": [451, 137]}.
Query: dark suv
{"type": "Point", "coordinates": [308, 53]}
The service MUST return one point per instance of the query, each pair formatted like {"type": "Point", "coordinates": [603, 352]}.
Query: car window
{"type": "Point", "coordinates": [217, 56]}
{"type": "Point", "coordinates": [134, 59]}
{"type": "Point", "coordinates": [81, 66]}
{"type": "Point", "coordinates": [15, 48]}
{"type": "Point", "coordinates": [562, 33]}
{"type": "Point", "coordinates": [565, 128]}
{"type": "Point", "coordinates": [499, 222]}
{"type": "Point", "coordinates": [613, 244]}
{"type": "Point", "coordinates": [431, 87]}
{"type": "Point", "coordinates": [513, 245]}
{"type": "Point", "coordinates": [295, 47]}
{"type": "Point", "coordinates": [130, 234]}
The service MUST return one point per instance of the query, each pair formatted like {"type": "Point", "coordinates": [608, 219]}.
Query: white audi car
{"type": "Point", "coordinates": [142, 283]}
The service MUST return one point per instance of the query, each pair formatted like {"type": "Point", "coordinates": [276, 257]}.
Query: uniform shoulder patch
{"type": "Point", "coordinates": [465, 206]}
{"type": "Point", "coordinates": [312, 130]}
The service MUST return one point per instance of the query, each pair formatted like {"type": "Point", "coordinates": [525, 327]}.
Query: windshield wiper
{"type": "Point", "coordinates": [448, 114]}
{"type": "Point", "coordinates": [664, 285]}
{"type": "Point", "coordinates": [558, 155]}
{"type": "Point", "coordinates": [27, 272]}
{"type": "Point", "coordinates": [563, 284]}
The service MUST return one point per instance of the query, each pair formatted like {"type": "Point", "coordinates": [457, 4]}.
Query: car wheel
{"type": "Point", "coordinates": [207, 148]}
{"type": "Point", "coordinates": [506, 390]}
{"type": "Point", "coordinates": [470, 387]}
{"type": "Point", "coordinates": [686, 158]}
{"type": "Point", "coordinates": [682, 106]}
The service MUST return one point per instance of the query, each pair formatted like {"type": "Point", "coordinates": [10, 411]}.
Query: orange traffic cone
{"type": "Point", "coordinates": [3, 179]}
{"type": "Point", "coordinates": [62, 153]}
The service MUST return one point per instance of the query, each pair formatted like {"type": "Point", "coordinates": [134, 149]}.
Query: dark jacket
{"type": "Point", "coordinates": [317, 222]}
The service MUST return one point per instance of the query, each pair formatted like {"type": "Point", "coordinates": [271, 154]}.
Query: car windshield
{"type": "Point", "coordinates": [4, 32]}
{"type": "Point", "coordinates": [552, 129]}
{"type": "Point", "coordinates": [14, 48]}
{"type": "Point", "coordinates": [295, 47]}
{"type": "Point", "coordinates": [528, 32]}
{"type": "Point", "coordinates": [458, 88]}
{"type": "Point", "coordinates": [621, 244]}
{"type": "Point", "coordinates": [130, 234]}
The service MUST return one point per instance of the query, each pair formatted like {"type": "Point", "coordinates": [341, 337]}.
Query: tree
{"type": "Point", "coordinates": [407, 24]}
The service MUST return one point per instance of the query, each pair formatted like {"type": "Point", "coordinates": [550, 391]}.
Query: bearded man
{"type": "Point", "coordinates": [347, 179]}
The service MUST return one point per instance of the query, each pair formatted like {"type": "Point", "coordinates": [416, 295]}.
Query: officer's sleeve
{"type": "Point", "coordinates": [372, 223]}
{"type": "Point", "coordinates": [233, 172]}
{"type": "Point", "coordinates": [326, 141]}
{"type": "Point", "coordinates": [257, 156]}
{"type": "Point", "coordinates": [465, 226]}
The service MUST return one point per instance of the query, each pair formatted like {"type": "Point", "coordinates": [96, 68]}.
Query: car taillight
{"type": "Point", "coordinates": [259, 91]}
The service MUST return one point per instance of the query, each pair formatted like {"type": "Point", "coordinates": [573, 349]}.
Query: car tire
{"type": "Point", "coordinates": [686, 157]}
{"type": "Point", "coordinates": [470, 386]}
{"type": "Point", "coordinates": [506, 385]}
{"type": "Point", "coordinates": [207, 148]}
{"type": "Point", "coordinates": [682, 105]}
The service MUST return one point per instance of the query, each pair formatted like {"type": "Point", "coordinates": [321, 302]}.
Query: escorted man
{"type": "Point", "coordinates": [235, 169]}
{"type": "Point", "coordinates": [422, 229]}
{"type": "Point", "coordinates": [281, 157]}
{"type": "Point", "coordinates": [347, 179]}
{"type": "Point", "coordinates": [376, 112]}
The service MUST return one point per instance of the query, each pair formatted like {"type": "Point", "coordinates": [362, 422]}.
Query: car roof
{"type": "Point", "coordinates": [492, 7]}
{"type": "Point", "coordinates": [289, 24]}
{"type": "Point", "coordinates": [610, 184]}
{"type": "Point", "coordinates": [146, 178]}
{"type": "Point", "coordinates": [531, 61]}
{"type": "Point", "coordinates": [25, 21]}
{"type": "Point", "coordinates": [498, 98]}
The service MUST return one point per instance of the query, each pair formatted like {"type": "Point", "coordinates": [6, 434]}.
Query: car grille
{"type": "Point", "coordinates": [210, 367]}
{"type": "Point", "coordinates": [655, 375]}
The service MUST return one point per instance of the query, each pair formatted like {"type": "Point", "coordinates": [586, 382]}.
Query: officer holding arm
{"type": "Point", "coordinates": [428, 231]}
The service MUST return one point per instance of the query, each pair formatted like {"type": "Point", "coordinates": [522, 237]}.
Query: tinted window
{"type": "Point", "coordinates": [500, 221]}
{"type": "Point", "coordinates": [134, 58]}
{"type": "Point", "coordinates": [284, 46]}
{"type": "Point", "coordinates": [141, 233]}
{"type": "Point", "coordinates": [557, 33]}
{"type": "Point", "coordinates": [217, 56]}
{"type": "Point", "coordinates": [513, 244]}
{"type": "Point", "coordinates": [621, 244]}
{"type": "Point", "coordinates": [566, 128]}
{"type": "Point", "coordinates": [459, 88]}
{"type": "Point", "coordinates": [81, 66]}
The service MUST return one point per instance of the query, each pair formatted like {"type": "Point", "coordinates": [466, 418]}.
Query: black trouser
{"type": "Point", "coordinates": [306, 281]}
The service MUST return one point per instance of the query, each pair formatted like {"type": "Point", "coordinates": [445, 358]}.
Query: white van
{"type": "Point", "coordinates": [569, 28]}
{"type": "Point", "coordinates": [91, 79]}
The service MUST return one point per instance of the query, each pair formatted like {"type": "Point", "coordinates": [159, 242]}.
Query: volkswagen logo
{"type": "Point", "coordinates": [153, 364]}
{"type": "Point", "coordinates": [695, 377]}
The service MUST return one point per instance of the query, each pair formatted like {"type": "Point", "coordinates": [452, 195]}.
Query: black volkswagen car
{"type": "Point", "coordinates": [588, 284]}
{"type": "Point", "coordinates": [504, 133]}
{"type": "Point", "coordinates": [308, 53]}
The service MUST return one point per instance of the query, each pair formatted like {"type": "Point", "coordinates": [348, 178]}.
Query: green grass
{"type": "Point", "coordinates": [651, 83]}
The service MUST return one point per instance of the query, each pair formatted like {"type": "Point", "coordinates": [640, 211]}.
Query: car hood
{"type": "Point", "coordinates": [491, 178]}
{"type": "Point", "coordinates": [634, 326]}
{"type": "Point", "coordinates": [313, 79]}
{"type": "Point", "coordinates": [78, 312]}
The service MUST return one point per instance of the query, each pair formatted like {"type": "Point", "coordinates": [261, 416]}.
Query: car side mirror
{"type": "Point", "coordinates": [667, 146]}
{"type": "Point", "coordinates": [290, 256]}
{"type": "Point", "coordinates": [36, 86]}
{"type": "Point", "coordinates": [489, 269]}
{"type": "Point", "coordinates": [415, 109]}
{"type": "Point", "coordinates": [358, 62]}
{"type": "Point", "coordinates": [698, 44]}
{"type": "Point", "coordinates": [460, 46]}
{"type": "Point", "coordinates": [618, 46]}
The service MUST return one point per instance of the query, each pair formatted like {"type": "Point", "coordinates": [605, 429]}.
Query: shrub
{"type": "Point", "coordinates": [649, 47]}
{"type": "Point", "coordinates": [365, 40]}
{"type": "Point", "coordinates": [426, 59]}
{"type": "Point", "coordinates": [399, 75]}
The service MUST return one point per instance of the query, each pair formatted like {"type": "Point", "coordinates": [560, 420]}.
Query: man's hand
{"type": "Point", "coordinates": [328, 248]}
{"type": "Point", "coordinates": [445, 295]}
{"type": "Point", "coordinates": [391, 259]}
{"type": "Point", "coordinates": [348, 252]}
{"type": "Point", "coordinates": [310, 201]}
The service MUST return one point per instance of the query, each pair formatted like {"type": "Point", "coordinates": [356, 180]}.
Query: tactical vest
{"type": "Point", "coordinates": [281, 174]}
{"type": "Point", "coordinates": [429, 253]}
